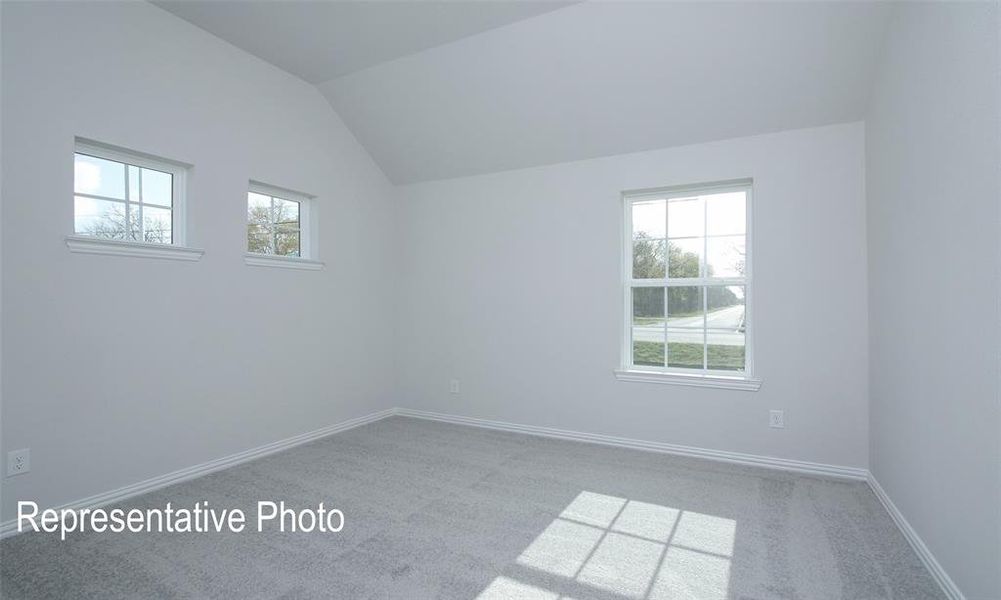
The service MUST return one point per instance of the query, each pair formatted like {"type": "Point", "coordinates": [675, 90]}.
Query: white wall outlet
{"type": "Point", "coordinates": [18, 462]}
{"type": "Point", "coordinates": [777, 419]}
{"type": "Point", "coordinates": [453, 386]}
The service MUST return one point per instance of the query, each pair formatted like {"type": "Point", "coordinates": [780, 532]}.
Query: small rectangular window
{"type": "Point", "coordinates": [687, 280]}
{"type": "Point", "coordinates": [126, 196]}
{"type": "Point", "coordinates": [277, 222]}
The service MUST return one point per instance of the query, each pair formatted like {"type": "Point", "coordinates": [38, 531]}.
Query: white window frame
{"type": "Point", "coordinates": [177, 249]}
{"type": "Point", "coordinates": [308, 250]}
{"type": "Point", "coordinates": [675, 375]}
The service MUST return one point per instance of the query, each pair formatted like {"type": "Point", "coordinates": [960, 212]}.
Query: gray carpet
{"type": "Point", "coordinates": [443, 511]}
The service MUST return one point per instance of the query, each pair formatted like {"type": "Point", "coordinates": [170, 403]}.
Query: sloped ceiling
{"type": "Point", "coordinates": [547, 83]}
{"type": "Point", "coordinates": [322, 39]}
{"type": "Point", "coordinates": [607, 78]}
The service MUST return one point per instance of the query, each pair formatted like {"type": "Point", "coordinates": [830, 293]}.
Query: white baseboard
{"type": "Point", "coordinates": [783, 464]}
{"type": "Point", "coordinates": [9, 528]}
{"type": "Point", "coordinates": [949, 588]}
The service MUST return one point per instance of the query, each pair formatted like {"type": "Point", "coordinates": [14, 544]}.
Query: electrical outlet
{"type": "Point", "coordinates": [18, 462]}
{"type": "Point", "coordinates": [777, 419]}
{"type": "Point", "coordinates": [453, 386]}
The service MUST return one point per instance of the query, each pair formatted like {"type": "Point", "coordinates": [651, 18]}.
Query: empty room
{"type": "Point", "coordinates": [500, 299]}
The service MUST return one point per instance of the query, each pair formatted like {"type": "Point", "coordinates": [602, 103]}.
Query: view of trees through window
{"type": "Point", "coordinates": [273, 225]}
{"type": "Point", "coordinates": [120, 201]}
{"type": "Point", "coordinates": [689, 282]}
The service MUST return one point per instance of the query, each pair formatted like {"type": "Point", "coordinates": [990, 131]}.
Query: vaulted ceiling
{"type": "Point", "coordinates": [318, 40]}
{"type": "Point", "coordinates": [444, 89]}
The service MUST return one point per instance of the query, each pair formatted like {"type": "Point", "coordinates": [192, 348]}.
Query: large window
{"type": "Point", "coordinates": [687, 280]}
{"type": "Point", "coordinates": [124, 196]}
{"type": "Point", "coordinates": [275, 220]}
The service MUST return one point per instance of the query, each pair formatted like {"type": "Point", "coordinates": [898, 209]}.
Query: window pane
{"type": "Point", "coordinates": [100, 218]}
{"type": "Point", "coordinates": [725, 256]}
{"type": "Point", "coordinates": [259, 229]}
{"type": "Point", "coordinates": [157, 187]}
{"type": "Point", "coordinates": [648, 326]}
{"type": "Point", "coordinates": [726, 213]}
{"type": "Point", "coordinates": [685, 258]}
{"type": "Point", "coordinates": [685, 218]}
{"type": "Point", "coordinates": [287, 242]}
{"type": "Point", "coordinates": [258, 209]}
{"type": "Point", "coordinates": [684, 307]}
{"type": "Point", "coordinates": [648, 259]}
{"type": "Point", "coordinates": [286, 212]}
{"type": "Point", "coordinates": [98, 177]}
{"type": "Point", "coordinates": [134, 183]}
{"type": "Point", "coordinates": [649, 219]}
{"type": "Point", "coordinates": [156, 224]}
{"type": "Point", "coordinates": [725, 307]}
{"type": "Point", "coordinates": [685, 348]}
{"type": "Point", "coordinates": [726, 349]}
{"type": "Point", "coordinates": [725, 322]}
{"type": "Point", "coordinates": [648, 354]}
{"type": "Point", "coordinates": [259, 241]}
{"type": "Point", "coordinates": [135, 224]}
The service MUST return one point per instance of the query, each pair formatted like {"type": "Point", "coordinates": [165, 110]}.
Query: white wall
{"type": "Point", "coordinates": [933, 190]}
{"type": "Point", "coordinates": [512, 284]}
{"type": "Point", "coordinates": [119, 369]}
{"type": "Point", "coordinates": [4, 461]}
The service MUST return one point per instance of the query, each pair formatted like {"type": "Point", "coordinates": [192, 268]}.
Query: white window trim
{"type": "Point", "coordinates": [89, 244]}
{"type": "Point", "coordinates": [672, 375]}
{"type": "Point", "coordinates": [308, 249]}
{"type": "Point", "coordinates": [178, 218]}
{"type": "Point", "coordinates": [634, 374]}
{"type": "Point", "coordinates": [284, 262]}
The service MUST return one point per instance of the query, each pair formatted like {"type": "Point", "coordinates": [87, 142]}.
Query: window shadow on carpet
{"type": "Point", "coordinates": [621, 549]}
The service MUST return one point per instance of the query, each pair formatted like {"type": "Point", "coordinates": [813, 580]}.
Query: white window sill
{"type": "Point", "coordinates": [282, 262]}
{"type": "Point", "coordinates": [87, 244]}
{"type": "Point", "coordinates": [709, 381]}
